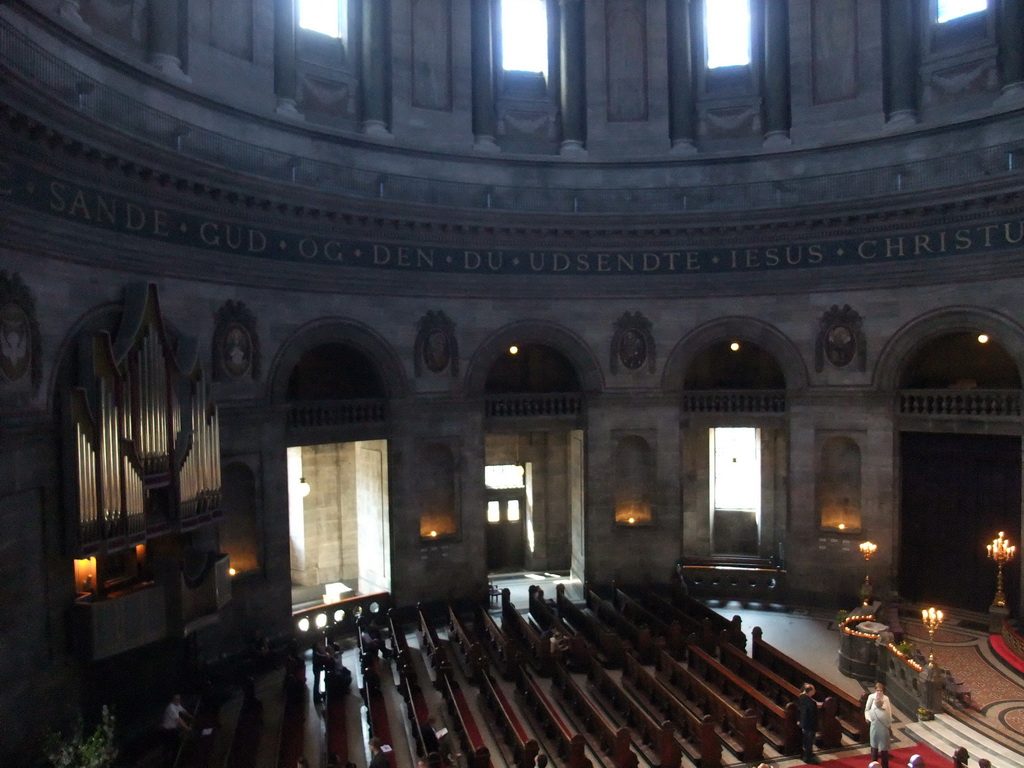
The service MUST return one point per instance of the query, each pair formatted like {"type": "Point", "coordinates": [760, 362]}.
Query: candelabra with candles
{"type": "Point", "coordinates": [1002, 552]}
{"type": "Point", "coordinates": [932, 619]}
{"type": "Point", "coordinates": [867, 549]}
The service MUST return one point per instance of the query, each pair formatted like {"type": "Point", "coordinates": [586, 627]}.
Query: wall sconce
{"type": "Point", "coordinates": [304, 488]}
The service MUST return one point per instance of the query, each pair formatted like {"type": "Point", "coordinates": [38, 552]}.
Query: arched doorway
{"type": "Point", "coordinates": [533, 458]}
{"type": "Point", "coordinates": [734, 446]}
{"type": "Point", "coordinates": [337, 474]}
{"type": "Point", "coordinates": [960, 458]}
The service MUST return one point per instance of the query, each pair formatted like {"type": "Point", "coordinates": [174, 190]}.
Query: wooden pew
{"type": "Point", "coordinates": [515, 626]}
{"type": "Point", "coordinates": [470, 736]}
{"type": "Point", "coordinates": [696, 630]}
{"type": "Point", "coordinates": [659, 737]}
{"type": "Point", "coordinates": [503, 654]}
{"type": "Point", "coordinates": [409, 686]}
{"type": "Point", "coordinates": [778, 723]}
{"type": "Point", "coordinates": [473, 745]}
{"type": "Point", "coordinates": [640, 638]}
{"type": "Point", "coordinates": [699, 740]}
{"type": "Point", "coordinates": [373, 697]}
{"type": "Point", "coordinates": [736, 727]}
{"type": "Point", "coordinates": [670, 631]}
{"type": "Point", "coordinates": [848, 709]}
{"type": "Point", "coordinates": [473, 656]}
{"type": "Point", "coordinates": [613, 741]}
{"type": "Point", "coordinates": [571, 747]}
{"type": "Point", "coordinates": [732, 629]}
{"type": "Point", "coordinates": [524, 747]}
{"type": "Point", "coordinates": [610, 646]}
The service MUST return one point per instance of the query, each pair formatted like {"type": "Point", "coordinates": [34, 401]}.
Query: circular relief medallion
{"type": "Point", "coordinates": [632, 349]}
{"type": "Point", "coordinates": [840, 345]}
{"type": "Point", "coordinates": [15, 341]}
{"type": "Point", "coordinates": [436, 351]}
{"type": "Point", "coordinates": [236, 351]}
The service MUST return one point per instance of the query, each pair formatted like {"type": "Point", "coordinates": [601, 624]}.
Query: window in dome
{"type": "Point", "coordinates": [524, 35]}
{"type": "Point", "coordinates": [727, 32]}
{"type": "Point", "coordinates": [947, 10]}
{"type": "Point", "coordinates": [328, 17]}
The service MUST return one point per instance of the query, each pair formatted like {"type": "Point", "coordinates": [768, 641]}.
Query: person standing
{"type": "Point", "coordinates": [807, 709]}
{"type": "Point", "coordinates": [323, 662]}
{"type": "Point", "coordinates": [878, 694]}
{"type": "Point", "coordinates": [879, 718]}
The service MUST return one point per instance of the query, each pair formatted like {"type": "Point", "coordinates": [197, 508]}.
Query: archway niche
{"type": "Point", "coordinates": [734, 402]}
{"type": "Point", "coordinates": [338, 489]}
{"type": "Point", "coordinates": [536, 524]}
{"type": "Point", "coordinates": [960, 464]}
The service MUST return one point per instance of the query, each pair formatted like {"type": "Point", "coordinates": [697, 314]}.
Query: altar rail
{"type": "Point", "coordinates": [754, 582]}
{"type": "Point", "coordinates": [987, 403]}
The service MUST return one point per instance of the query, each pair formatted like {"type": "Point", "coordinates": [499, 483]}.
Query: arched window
{"type": "Point", "coordinates": [328, 17]}
{"type": "Point", "coordinates": [947, 10]}
{"type": "Point", "coordinates": [524, 36]}
{"type": "Point", "coordinates": [727, 33]}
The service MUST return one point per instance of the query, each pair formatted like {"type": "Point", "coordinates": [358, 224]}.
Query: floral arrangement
{"type": "Point", "coordinates": [80, 751]}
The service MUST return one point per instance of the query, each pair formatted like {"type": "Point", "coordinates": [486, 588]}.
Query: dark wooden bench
{"type": "Point", "coordinates": [522, 744]}
{"type": "Point", "coordinates": [614, 741]}
{"type": "Point", "coordinates": [571, 747]}
{"type": "Point", "coordinates": [670, 631]}
{"type": "Point", "coordinates": [778, 723]}
{"type": "Point", "coordinates": [700, 743]}
{"type": "Point", "coordinates": [611, 648]}
{"type": "Point", "coordinates": [736, 727]}
{"type": "Point", "coordinates": [640, 638]}
{"type": "Point", "coordinates": [515, 626]}
{"type": "Point", "coordinates": [656, 736]}
{"type": "Point", "coordinates": [502, 652]}
{"type": "Point", "coordinates": [849, 709]}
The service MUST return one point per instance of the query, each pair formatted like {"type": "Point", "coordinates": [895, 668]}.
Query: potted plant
{"type": "Point", "coordinates": [80, 751]}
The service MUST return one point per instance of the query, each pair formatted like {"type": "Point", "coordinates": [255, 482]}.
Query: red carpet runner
{"type": "Point", "coordinates": [897, 759]}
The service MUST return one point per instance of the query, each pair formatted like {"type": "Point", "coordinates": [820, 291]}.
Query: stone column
{"type": "Point", "coordinates": [484, 123]}
{"type": "Point", "coordinates": [165, 41]}
{"type": "Point", "coordinates": [682, 120]}
{"type": "Point", "coordinates": [285, 89]}
{"type": "Point", "coordinates": [573, 77]}
{"type": "Point", "coordinates": [375, 81]}
{"type": "Point", "coordinates": [1010, 35]}
{"type": "Point", "coordinates": [899, 37]}
{"type": "Point", "coordinates": [776, 74]}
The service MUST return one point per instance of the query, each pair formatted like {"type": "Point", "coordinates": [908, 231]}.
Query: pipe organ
{"type": "Point", "coordinates": [143, 440]}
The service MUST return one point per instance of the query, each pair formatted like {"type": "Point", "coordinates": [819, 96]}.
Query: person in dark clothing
{"type": "Point", "coordinates": [807, 709]}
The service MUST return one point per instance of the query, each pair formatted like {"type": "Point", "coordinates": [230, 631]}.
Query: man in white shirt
{"type": "Point", "coordinates": [176, 717]}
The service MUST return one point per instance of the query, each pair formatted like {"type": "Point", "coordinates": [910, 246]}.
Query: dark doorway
{"type": "Point", "coordinates": [958, 492]}
{"type": "Point", "coordinates": [505, 548]}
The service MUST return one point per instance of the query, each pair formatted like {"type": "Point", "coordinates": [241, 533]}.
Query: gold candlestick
{"type": "Point", "coordinates": [867, 549]}
{"type": "Point", "coordinates": [1002, 552]}
{"type": "Point", "coordinates": [932, 619]}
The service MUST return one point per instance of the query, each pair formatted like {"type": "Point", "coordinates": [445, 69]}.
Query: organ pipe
{"type": "Point", "coordinates": [123, 448]}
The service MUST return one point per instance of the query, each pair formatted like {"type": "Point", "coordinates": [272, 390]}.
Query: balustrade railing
{"type": "Point", "coordinates": [735, 401]}
{"type": "Point", "coordinates": [336, 413]}
{"type": "Point", "coordinates": [522, 405]}
{"type": "Point", "coordinates": [987, 403]}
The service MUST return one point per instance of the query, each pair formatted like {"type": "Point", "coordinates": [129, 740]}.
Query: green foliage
{"type": "Point", "coordinates": [80, 751]}
{"type": "Point", "coordinates": [841, 615]}
{"type": "Point", "coordinates": [905, 648]}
